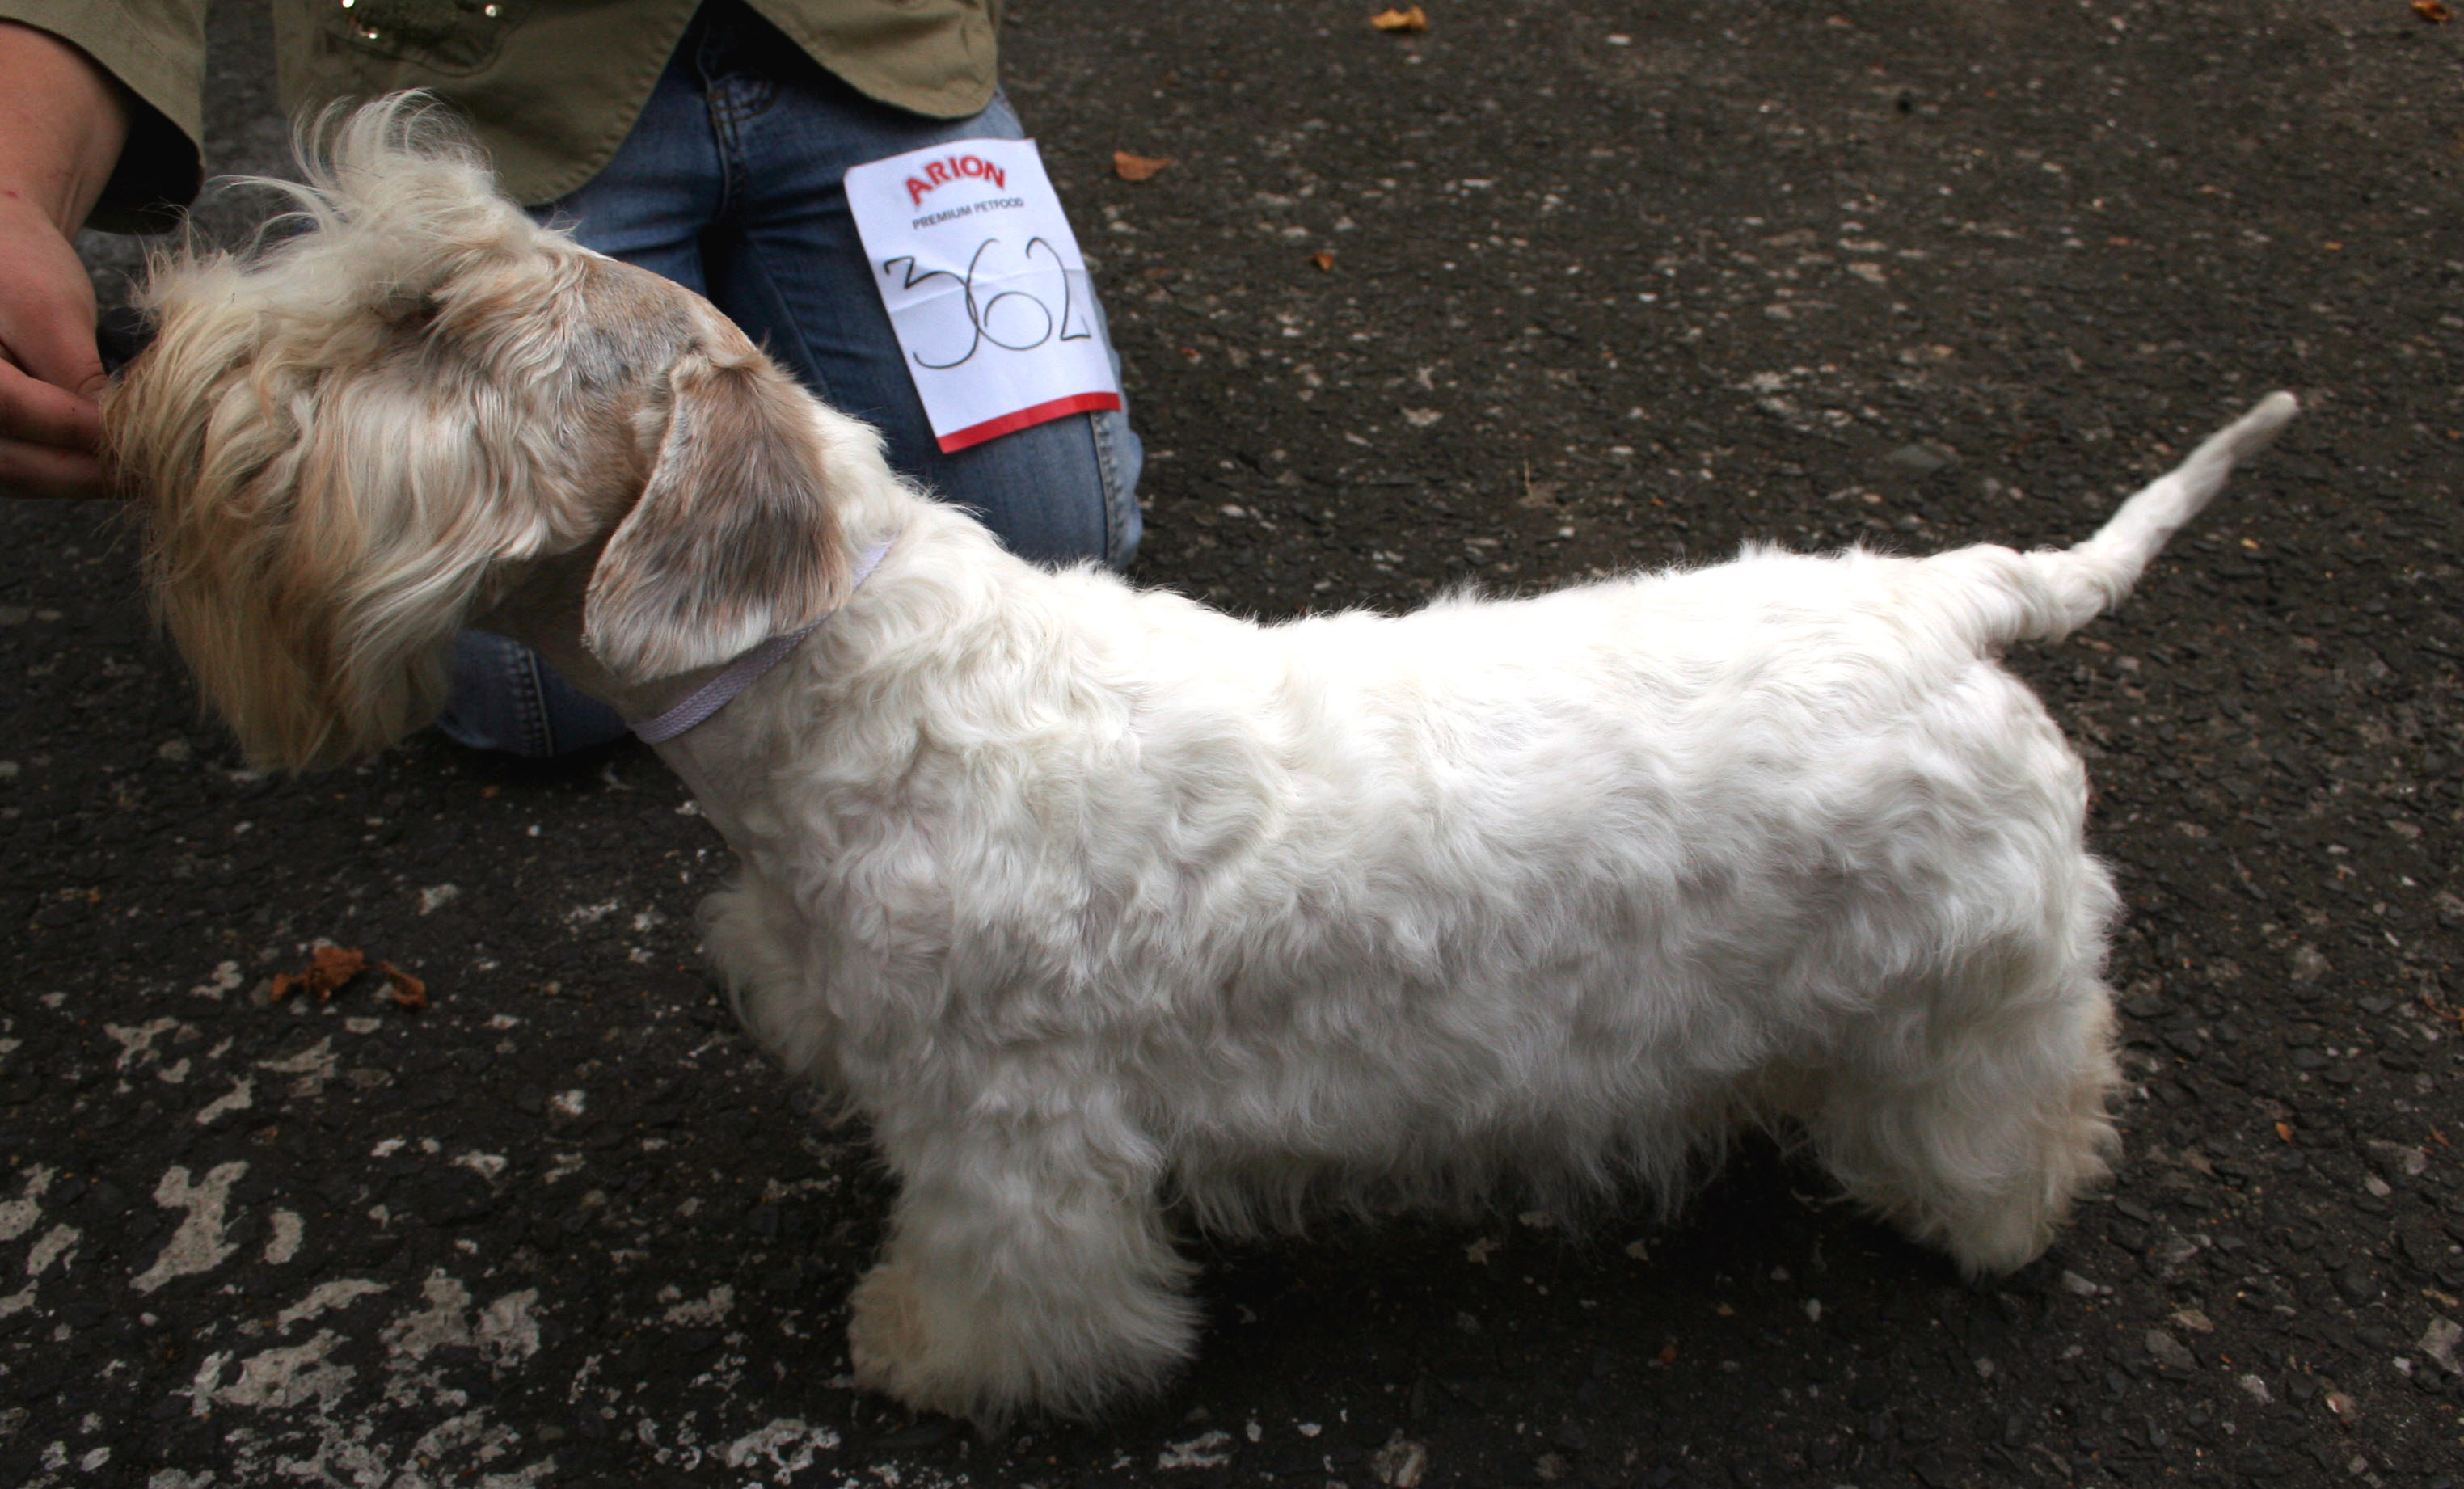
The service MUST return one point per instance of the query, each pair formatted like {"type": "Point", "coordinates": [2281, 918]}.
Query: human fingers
{"type": "Point", "coordinates": [44, 471]}
{"type": "Point", "coordinates": [36, 411]}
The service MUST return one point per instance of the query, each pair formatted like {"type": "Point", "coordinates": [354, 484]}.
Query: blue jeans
{"type": "Point", "coordinates": [730, 186]}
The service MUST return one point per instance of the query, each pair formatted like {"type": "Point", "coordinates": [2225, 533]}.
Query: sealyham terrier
{"type": "Point", "coordinates": [1112, 914]}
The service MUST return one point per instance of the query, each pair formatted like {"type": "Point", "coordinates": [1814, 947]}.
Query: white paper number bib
{"type": "Point", "coordinates": [985, 287]}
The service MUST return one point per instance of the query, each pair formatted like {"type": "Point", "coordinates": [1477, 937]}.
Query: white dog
{"type": "Point", "coordinates": [1105, 907]}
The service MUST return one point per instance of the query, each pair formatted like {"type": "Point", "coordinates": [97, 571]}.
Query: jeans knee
{"type": "Point", "coordinates": [1056, 494]}
{"type": "Point", "coordinates": [504, 696]}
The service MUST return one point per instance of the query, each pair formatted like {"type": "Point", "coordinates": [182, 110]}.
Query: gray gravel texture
{"type": "Point", "coordinates": [1610, 286]}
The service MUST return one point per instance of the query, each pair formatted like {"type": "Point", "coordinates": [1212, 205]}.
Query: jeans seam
{"type": "Point", "coordinates": [531, 691]}
{"type": "Point", "coordinates": [1108, 466]}
{"type": "Point", "coordinates": [710, 72]}
{"type": "Point", "coordinates": [722, 135]}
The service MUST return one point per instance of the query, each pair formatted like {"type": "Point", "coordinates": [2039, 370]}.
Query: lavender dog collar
{"type": "Point", "coordinates": [742, 672]}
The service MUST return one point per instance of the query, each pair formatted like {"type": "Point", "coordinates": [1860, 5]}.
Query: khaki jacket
{"type": "Point", "coordinates": [553, 86]}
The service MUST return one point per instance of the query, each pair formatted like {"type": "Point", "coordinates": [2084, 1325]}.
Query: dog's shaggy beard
{"type": "Point", "coordinates": [353, 438]}
{"type": "Point", "coordinates": [316, 627]}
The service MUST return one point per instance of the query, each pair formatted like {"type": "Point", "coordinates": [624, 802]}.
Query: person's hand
{"type": "Point", "coordinates": [50, 372]}
{"type": "Point", "coordinates": [62, 122]}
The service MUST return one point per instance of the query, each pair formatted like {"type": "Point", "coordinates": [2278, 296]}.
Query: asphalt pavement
{"type": "Point", "coordinates": [1541, 293]}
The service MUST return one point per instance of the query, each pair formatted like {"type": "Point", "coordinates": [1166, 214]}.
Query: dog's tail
{"type": "Point", "coordinates": [2061, 590]}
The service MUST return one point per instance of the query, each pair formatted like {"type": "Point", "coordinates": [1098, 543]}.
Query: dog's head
{"type": "Point", "coordinates": [354, 439]}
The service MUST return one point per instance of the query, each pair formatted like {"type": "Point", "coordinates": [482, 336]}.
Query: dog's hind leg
{"type": "Point", "coordinates": [1979, 1142]}
{"type": "Point", "coordinates": [1029, 1267]}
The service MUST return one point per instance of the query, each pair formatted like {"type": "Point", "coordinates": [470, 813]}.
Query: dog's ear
{"type": "Point", "coordinates": [733, 538]}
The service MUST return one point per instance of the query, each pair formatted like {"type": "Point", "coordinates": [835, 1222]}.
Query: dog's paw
{"type": "Point", "coordinates": [1069, 1350]}
{"type": "Point", "coordinates": [887, 1342]}
{"type": "Point", "coordinates": [902, 1347]}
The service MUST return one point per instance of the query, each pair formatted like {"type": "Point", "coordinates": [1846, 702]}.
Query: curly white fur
{"type": "Point", "coordinates": [1094, 900]}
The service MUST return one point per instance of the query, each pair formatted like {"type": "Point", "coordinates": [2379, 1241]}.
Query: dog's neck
{"type": "Point", "coordinates": [705, 702]}
{"type": "Point", "coordinates": [543, 610]}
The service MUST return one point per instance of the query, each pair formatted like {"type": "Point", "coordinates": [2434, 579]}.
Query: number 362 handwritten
{"type": "Point", "coordinates": [1012, 319]}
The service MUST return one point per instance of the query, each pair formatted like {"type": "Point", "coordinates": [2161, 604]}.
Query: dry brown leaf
{"type": "Point", "coordinates": [1409, 18]}
{"type": "Point", "coordinates": [409, 991]}
{"type": "Point", "coordinates": [1323, 259]}
{"type": "Point", "coordinates": [1136, 167]}
{"type": "Point", "coordinates": [2432, 11]}
{"type": "Point", "coordinates": [329, 967]}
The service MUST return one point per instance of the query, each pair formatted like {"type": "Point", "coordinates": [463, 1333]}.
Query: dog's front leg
{"type": "Point", "coordinates": [1029, 1267]}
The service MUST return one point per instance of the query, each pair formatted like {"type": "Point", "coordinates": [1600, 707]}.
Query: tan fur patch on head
{"type": "Point", "coordinates": [352, 439]}
{"type": "Point", "coordinates": [337, 435]}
